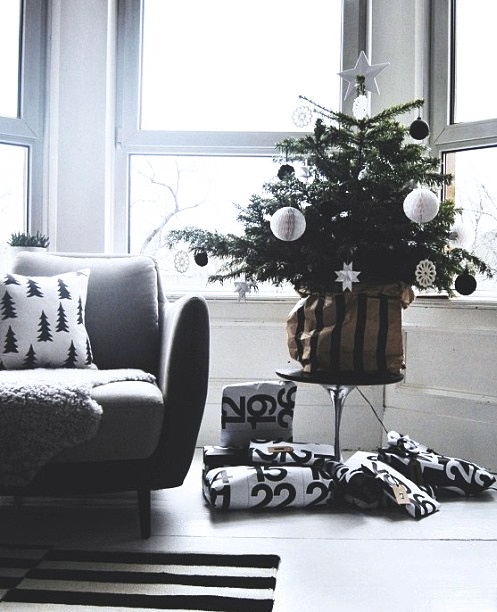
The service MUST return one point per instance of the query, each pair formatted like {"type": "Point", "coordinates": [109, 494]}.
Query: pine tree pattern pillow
{"type": "Point", "coordinates": [42, 321]}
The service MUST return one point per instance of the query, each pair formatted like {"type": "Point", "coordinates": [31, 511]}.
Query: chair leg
{"type": "Point", "coordinates": [145, 513]}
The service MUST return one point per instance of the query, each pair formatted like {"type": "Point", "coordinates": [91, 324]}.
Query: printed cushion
{"type": "Point", "coordinates": [42, 321]}
{"type": "Point", "coordinates": [427, 467]}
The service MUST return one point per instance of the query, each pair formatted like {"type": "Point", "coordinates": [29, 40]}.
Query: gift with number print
{"type": "Point", "coordinates": [223, 456]}
{"type": "Point", "coordinates": [427, 467]}
{"type": "Point", "coordinates": [259, 410]}
{"type": "Point", "coordinates": [396, 487]}
{"type": "Point", "coordinates": [258, 487]}
{"type": "Point", "coordinates": [354, 486]}
{"type": "Point", "coordinates": [289, 453]}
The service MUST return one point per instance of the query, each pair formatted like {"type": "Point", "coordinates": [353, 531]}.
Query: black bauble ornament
{"type": "Point", "coordinates": [465, 283]}
{"type": "Point", "coordinates": [419, 129]}
{"type": "Point", "coordinates": [285, 171]}
{"type": "Point", "coordinates": [201, 258]}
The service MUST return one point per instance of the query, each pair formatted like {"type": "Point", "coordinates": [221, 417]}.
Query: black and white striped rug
{"type": "Point", "coordinates": [38, 578]}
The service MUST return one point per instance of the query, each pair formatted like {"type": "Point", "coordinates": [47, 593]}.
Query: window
{"type": "Point", "coordinates": [13, 189]}
{"type": "Point", "coordinates": [10, 44]}
{"type": "Point", "coordinates": [22, 24]}
{"type": "Point", "coordinates": [474, 48]}
{"type": "Point", "coordinates": [464, 119]}
{"type": "Point", "coordinates": [207, 93]}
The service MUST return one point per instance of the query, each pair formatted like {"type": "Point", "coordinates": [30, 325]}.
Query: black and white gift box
{"type": "Point", "coordinates": [259, 410]}
{"type": "Point", "coordinates": [397, 487]}
{"type": "Point", "coordinates": [289, 453]}
{"type": "Point", "coordinates": [354, 486]}
{"type": "Point", "coordinates": [427, 467]}
{"type": "Point", "coordinates": [264, 486]}
{"type": "Point", "coordinates": [223, 456]}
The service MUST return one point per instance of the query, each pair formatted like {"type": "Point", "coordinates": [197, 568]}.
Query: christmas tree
{"type": "Point", "coordinates": [363, 208]}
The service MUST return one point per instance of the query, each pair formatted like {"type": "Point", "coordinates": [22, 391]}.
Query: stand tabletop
{"type": "Point", "coordinates": [354, 379]}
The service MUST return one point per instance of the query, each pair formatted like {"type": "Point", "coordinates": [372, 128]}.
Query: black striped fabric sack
{"type": "Point", "coordinates": [351, 331]}
{"type": "Point", "coordinates": [33, 578]}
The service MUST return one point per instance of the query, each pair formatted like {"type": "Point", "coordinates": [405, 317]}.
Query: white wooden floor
{"type": "Point", "coordinates": [338, 559]}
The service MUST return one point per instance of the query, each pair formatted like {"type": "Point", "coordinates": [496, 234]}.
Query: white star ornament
{"type": "Point", "coordinates": [365, 69]}
{"type": "Point", "coordinates": [347, 276]}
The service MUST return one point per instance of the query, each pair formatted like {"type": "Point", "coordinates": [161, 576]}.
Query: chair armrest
{"type": "Point", "coordinates": [183, 376]}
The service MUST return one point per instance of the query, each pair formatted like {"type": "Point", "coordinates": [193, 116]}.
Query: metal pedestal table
{"type": "Point", "coordinates": [338, 385]}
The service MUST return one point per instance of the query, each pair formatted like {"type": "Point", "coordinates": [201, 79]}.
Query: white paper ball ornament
{"type": "Point", "coordinates": [421, 205]}
{"type": "Point", "coordinates": [287, 224]}
{"type": "Point", "coordinates": [360, 107]}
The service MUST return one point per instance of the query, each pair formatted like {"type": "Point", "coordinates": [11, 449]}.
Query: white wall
{"type": "Point", "coordinates": [248, 345]}
{"type": "Point", "coordinates": [449, 397]}
{"type": "Point", "coordinates": [81, 123]}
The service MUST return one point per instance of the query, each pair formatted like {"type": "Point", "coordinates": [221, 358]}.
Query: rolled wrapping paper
{"type": "Point", "coordinates": [426, 467]}
{"type": "Point", "coordinates": [259, 410]}
{"type": "Point", "coordinates": [258, 487]}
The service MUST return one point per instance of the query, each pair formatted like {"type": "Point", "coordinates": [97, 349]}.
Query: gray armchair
{"type": "Point", "coordinates": [148, 432]}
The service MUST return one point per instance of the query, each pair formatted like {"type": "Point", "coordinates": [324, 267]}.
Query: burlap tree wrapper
{"type": "Point", "coordinates": [350, 331]}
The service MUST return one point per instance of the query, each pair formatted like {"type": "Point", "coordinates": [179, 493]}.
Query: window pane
{"type": "Point", "coordinates": [10, 19]}
{"type": "Point", "coordinates": [475, 88]}
{"type": "Point", "coordinates": [237, 66]}
{"type": "Point", "coordinates": [13, 194]}
{"type": "Point", "coordinates": [169, 192]}
{"type": "Point", "coordinates": [475, 191]}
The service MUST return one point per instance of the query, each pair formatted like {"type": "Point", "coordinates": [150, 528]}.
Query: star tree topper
{"type": "Point", "coordinates": [362, 71]}
{"type": "Point", "coordinates": [347, 276]}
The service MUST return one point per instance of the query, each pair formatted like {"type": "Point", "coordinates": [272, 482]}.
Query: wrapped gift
{"type": "Point", "coordinates": [426, 467]}
{"type": "Point", "coordinates": [289, 453]}
{"type": "Point", "coordinates": [398, 488]}
{"type": "Point", "coordinates": [354, 486]}
{"type": "Point", "coordinates": [258, 410]}
{"type": "Point", "coordinates": [244, 487]}
{"type": "Point", "coordinates": [223, 456]}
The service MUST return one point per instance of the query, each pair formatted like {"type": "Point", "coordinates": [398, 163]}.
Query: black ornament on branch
{"type": "Point", "coordinates": [201, 258]}
{"type": "Point", "coordinates": [285, 171]}
{"type": "Point", "coordinates": [465, 283]}
{"type": "Point", "coordinates": [419, 129]}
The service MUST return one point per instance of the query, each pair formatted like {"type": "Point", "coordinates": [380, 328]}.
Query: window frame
{"type": "Point", "coordinates": [28, 128]}
{"type": "Point", "coordinates": [130, 139]}
{"type": "Point", "coordinates": [447, 136]}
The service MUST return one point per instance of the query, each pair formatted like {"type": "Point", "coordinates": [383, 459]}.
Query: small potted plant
{"type": "Point", "coordinates": [24, 241]}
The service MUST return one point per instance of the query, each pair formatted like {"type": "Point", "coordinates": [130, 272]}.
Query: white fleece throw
{"type": "Point", "coordinates": [43, 411]}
